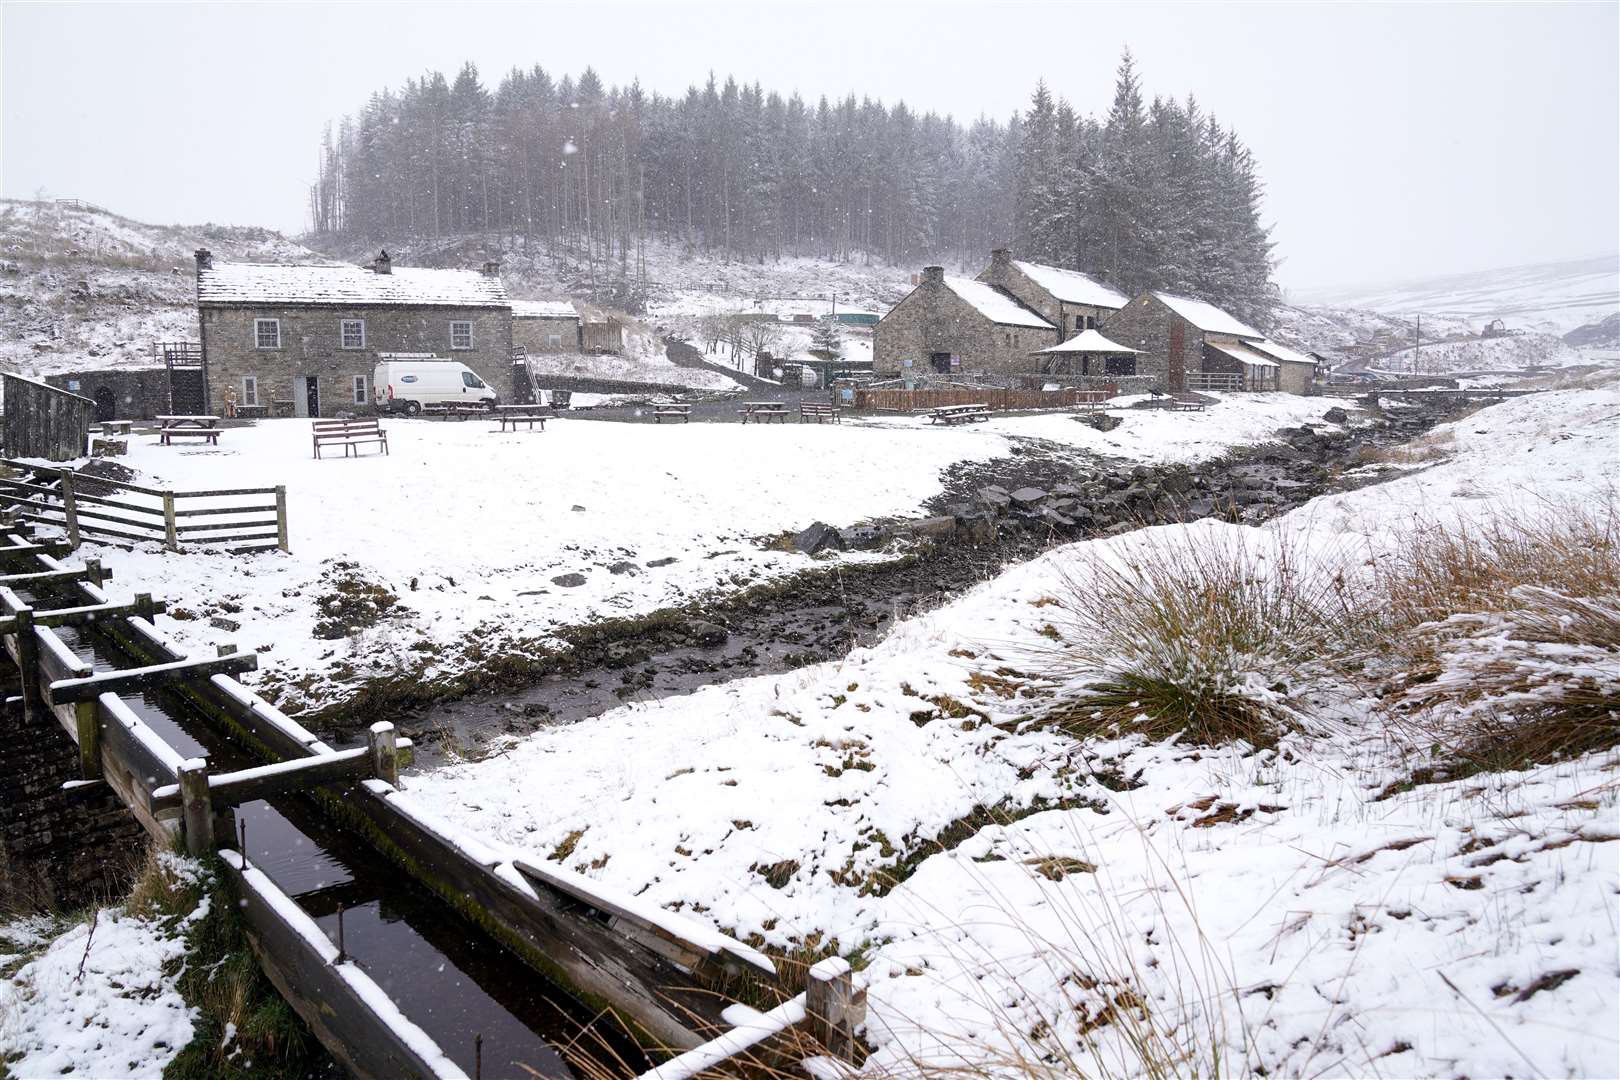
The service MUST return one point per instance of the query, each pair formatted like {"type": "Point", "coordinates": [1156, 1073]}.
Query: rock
{"type": "Point", "coordinates": [995, 497]}
{"type": "Point", "coordinates": [707, 634]}
{"type": "Point", "coordinates": [1028, 497]}
{"type": "Point", "coordinates": [1052, 517]}
{"type": "Point", "coordinates": [1101, 421]}
{"type": "Point", "coordinates": [1336, 415]}
{"type": "Point", "coordinates": [976, 528]}
{"type": "Point", "coordinates": [576, 508]}
{"type": "Point", "coordinates": [219, 622]}
{"type": "Point", "coordinates": [569, 581]}
{"type": "Point", "coordinates": [1178, 483]}
{"type": "Point", "coordinates": [865, 537]}
{"type": "Point", "coordinates": [666, 561]}
{"type": "Point", "coordinates": [817, 538]}
{"type": "Point", "coordinates": [624, 567]}
{"type": "Point", "coordinates": [934, 528]}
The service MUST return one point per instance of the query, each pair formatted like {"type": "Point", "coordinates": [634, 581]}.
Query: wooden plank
{"type": "Point", "coordinates": [66, 691]}
{"type": "Point", "coordinates": [90, 613]}
{"type": "Point", "coordinates": [53, 577]}
{"type": "Point", "coordinates": [352, 1016]}
{"type": "Point", "coordinates": [215, 510]}
{"type": "Point", "coordinates": [259, 782]}
{"type": "Point", "coordinates": [130, 749]}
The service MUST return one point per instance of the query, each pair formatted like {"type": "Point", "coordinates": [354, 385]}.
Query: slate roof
{"type": "Point", "coordinates": [997, 306]}
{"type": "Point", "coordinates": [1207, 316]}
{"type": "Point", "coordinates": [543, 309]}
{"type": "Point", "coordinates": [1071, 286]}
{"type": "Point", "coordinates": [1281, 352]}
{"type": "Point", "coordinates": [342, 284]}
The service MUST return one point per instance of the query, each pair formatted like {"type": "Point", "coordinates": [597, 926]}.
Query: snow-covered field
{"type": "Point", "coordinates": [1277, 908]}
{"type": "Point", "coordinates": [1512, 353]}
{"type": "Point", "coordinates": [470, 527]}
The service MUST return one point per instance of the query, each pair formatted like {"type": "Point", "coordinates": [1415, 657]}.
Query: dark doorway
{"type": "Point", "coordinates": [106, 404]}
{"type": "Point", "coordinates": [312, 395]}
{"type": "Point", "coordinates": [940, 362]}
{"type": "Point", "coordinates": [186, 391]}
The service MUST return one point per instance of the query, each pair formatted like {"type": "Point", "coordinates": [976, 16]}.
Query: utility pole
{"type": "Point", "coordinates": [1417, 350]}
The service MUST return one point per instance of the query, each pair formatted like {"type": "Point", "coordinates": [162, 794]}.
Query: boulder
{"type": "Point", "coordinates": [865, 537]}
{"type": "Point", "coordinates": [1336, 415]}
{"type": "Point", "coordinates": [569, 581]}
{"type": "Point", "coordinates": [666, 561]}
{"type": "Point", "coordinates": [1028, 497]}
{"type": "Point", "coordinates": [1101, 421]}
{"type": "Point", "coordinates": [707, 634]}
{"type": "Point", "coordinates": [624, 567]}
{"type": "Point", "coordinates": [934, 528]}
{"type": "Point", "coordinates": [994, 497]}
{"type": "Point", "coordinates": [976, 528]}
{"type": "Point", "coordinates": [1052, 517]}
{"type": "Point", "coordinates": [818, 538]}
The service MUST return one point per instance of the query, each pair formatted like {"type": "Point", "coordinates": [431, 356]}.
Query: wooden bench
{"type": "Point", "coordinates": [818, 411]}
{"type": "Point", "coordinates": [117, 427]}
{"type": "Point", "coordinates": [510, 416]}
{"type": "Point", "coordinates": [959, 414]}
{"type": "Point", "coordinates": [349, 433]}
{"type": "Point", "coordinates": [188, 427]}
{"type": "Point", "coordinates": [763, 411]}
{"type": "Point", "coordinates": [253, 412]}
{"type": "Point", "coordinates": [673, 410]}
{"type": "Point", "coordinates": [1187, 403]}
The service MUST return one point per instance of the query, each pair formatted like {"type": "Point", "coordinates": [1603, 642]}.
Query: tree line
{"type": "Point", "coordinates": [1152, 195]}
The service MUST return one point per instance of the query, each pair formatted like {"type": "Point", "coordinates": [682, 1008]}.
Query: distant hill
{"type": "Point", "coordinates": [1548, 297]}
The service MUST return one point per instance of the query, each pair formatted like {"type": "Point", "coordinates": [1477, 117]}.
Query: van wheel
{"type": "Point", "coordinates": [413, 408]}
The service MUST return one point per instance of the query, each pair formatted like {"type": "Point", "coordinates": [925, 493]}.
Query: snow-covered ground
{"type": "Point", "coordinates": [1514, 352]}
{"type": "Point", "coordinates": [1267, 907]}
{"type": "Point", "coordinates": [470, 527]}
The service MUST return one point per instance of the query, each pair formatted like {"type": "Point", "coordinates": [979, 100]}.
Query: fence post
{"type": "Point", "coordinates": [384, 752]}
{"type": "Point", "coordinates": [281, 516]}
{"type": "Point", "coordinates": [144, 606]}
{"type": "Point", "coordinates": [70, 510]}
{"type": "Point", "coordinates": [196, 807]}
{"type": "Point", "coordinates": [835, 1010]}
{"type": "Point", "coordinates": [27, 659]}
{"type": "Point", "coordinates": [94, 573]}
{"type": "Point", "coordinates": [87, 725]}
{"type": "Point", "coordinates": [171, 536]}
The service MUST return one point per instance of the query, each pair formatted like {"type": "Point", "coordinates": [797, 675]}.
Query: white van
{"type": "Point", "coordinates": [408, 383]}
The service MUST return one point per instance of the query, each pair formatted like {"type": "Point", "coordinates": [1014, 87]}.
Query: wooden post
{"type": "Point", "coordinates": [171, 537]}
{"type": "Point", "coordinates": [144, 606]}
{"type": "Point", "coordinates": [87, 726]}
{"type": "Point", "coordinates": [225, 650]}
{"type": "Point", "coordinates": [94, 573]}
{"type": "Point", "coordinates": [70, 510]}
{"type": "Point", "coordinates": [197, 811]}
{"type": "Point", "coordinates": [384, 752]}
{"type": "Point", "coordinates": [834, 1008]}
{"type": "Point", "coordinates": [281, 516]}
{"type": "Point", "coordinates": [27, 659]}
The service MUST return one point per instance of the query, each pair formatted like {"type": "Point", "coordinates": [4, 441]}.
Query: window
{"type": "Point", "coordinates": [554, 341]}
{"type": "Point", "coordinates": [359, 389]}
{"type": "Point", "coordinates": [353, 333]}
{"type": "Point", "coordinates": [1079, 322]}
{"type": "Point", "coordinates": [471, 381]}
{"type": "Point", "coordinates": [267, 333]}
{"type": "Point", "coordinates": [250, 390]}
{"type": "Point", "coordinates": [461, 335]}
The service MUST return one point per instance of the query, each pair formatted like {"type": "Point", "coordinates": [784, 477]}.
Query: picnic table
{"type": "Point", "coordinates": [818, 411]}
{"type": "Point", "coordinates": [673, 409]}
{"type": "Point", "coordinates": [1186, 403]}
{"type": "Point", "coordinates": [763, 412]}
{"type": "Point", "coordinates": [510, 416]}
{"type": "Point", "coordinates": [959, 414]}
{"type": "Point", "coordinates": [192, 427]}
{"type": "Point", "coordinates": [458, 409]}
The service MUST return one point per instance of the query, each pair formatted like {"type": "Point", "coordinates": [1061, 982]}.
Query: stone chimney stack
{"type": "Point", "coordinates": [933, 275]}
{"type": "Point", "coordinates": [492, 268]}
{"type": "Point", "coordinates": [205, 259]}
{"type": "Point", "coordinates": [382, 264]}
{"type": "Point", "coordinates": [1000, 264]}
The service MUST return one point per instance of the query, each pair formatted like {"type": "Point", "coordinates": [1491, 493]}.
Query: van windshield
{"type": "Point", "coordinates": [471, 380]}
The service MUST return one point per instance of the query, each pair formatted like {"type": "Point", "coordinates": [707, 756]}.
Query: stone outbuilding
{"type": "Point", "coordinates": [951, 325]}
{"type": "Point", "coordinates": [119, 393]}
{"type": "Point", "coordinates": [546, 326]}
{"type": "Point", "coordinates": [1069, 300]}
{"type": "Point", "coordinates": [303, 339]}
{"type": "Point", "coordinates": [1190, 344]}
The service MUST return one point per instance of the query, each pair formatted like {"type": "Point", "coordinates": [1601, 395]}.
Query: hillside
{"type": "Point", "coordinates": [85, 287]}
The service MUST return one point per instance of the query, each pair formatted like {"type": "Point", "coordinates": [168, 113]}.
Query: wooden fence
{"type": "Point", "coordinates": [1230, 381]}
{"type": "Point", "coordinates": [44, 422]}
{"type": "Point", "coordinates": [996, 398]}
{"type": "Point", "coordinates": [240, 519]}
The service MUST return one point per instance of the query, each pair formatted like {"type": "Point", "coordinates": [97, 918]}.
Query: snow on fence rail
{"type": "Point", "coordinates": [242, 519]}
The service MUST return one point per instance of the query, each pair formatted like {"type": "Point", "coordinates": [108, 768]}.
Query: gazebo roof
{"type": "Point", "coordinates": [1089, 341]}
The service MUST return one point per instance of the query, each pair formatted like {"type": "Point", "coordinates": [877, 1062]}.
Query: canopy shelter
{"type": "Point", "coordinates": [1259, 370]}
{"type": "Point", "coordinates": [1088, 353]}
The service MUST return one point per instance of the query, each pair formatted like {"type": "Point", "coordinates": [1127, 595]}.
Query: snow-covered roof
{"type": "Point", "coordinates": [1241, 352]}
{"type": "Point", "coordinates": [1090, 341]}
{"type": "Point", "coordinates": [1071, 286]}
{"type": "Point", "coordinates": [304, 283]}
{"type": "Point", "coordinates": [994, 304]}
{"type": "Point", "coordinates": [543, 309]}
{"type": "Point", "coordinates": [1207, 316]}
{"type": "Point", "coordinates": [1281, 352]}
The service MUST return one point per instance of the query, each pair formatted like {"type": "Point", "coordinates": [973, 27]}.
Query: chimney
{"type": "Point", "coordinates": [933, 275]}
{"type": "Point", "coordinates": [492, 268]}
{"type": "Point", "coordinates": [382, 264]}
{"type": "Point", "coordinates": [205, 259]}
{"type": "Point", "coordinates": [1000, 263]}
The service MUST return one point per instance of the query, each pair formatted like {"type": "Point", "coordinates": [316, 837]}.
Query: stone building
{"type": "Point", "coordinates": [303, 339]}
{"type": "Point", "coordinates": [119, 393]}
{"type": "Point", "coordinates": [1192, 345]}
{"type": "Point", "coordinates": [952, 324]}
{"type": "Point", "coordinates": [546, 326]}
{"type": "Point", "coordinates": [1068, 299]}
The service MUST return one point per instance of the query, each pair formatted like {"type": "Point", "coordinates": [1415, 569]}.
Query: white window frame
{"type": "Point", "coordinates": [258, 341]}
{"type": "Point", "coordinates": [553, 341]}
{"type": "Point", "coordinates": [250, 390]}
{"type": "Point", "coordinates": [461, 322]}
{"type": "Point", "coordinates": [361, 396]}
{"type": "Point", "coordinates": [343, 333]}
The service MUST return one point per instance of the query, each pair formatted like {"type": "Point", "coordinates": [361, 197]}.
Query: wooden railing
{"type": "Point", "coordinates": [1214, 380]}
{"type": "Point", "coordinates": [239, 519]}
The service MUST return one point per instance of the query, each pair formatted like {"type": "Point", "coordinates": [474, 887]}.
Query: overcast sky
{"type": "Point", "coordinates": [1396, 141]}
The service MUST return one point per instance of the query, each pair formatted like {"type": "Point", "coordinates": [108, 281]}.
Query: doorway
{"type": "Point", "coordinates": [306, 395]}
{"type": "Point", "coordinates": [106, 404]}
{"type": "Point", "coordinates": [940, 362]}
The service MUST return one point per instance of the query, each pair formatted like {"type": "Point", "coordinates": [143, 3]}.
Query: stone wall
{"type": "Point", "coordinates": [1297, 378]}
{"type": "Point", "coordinates": [311, 345]}
{"type": "Point", "coordinates": [535, 333]}
{"type": "Point", "coordinates": [933, 319]}
{"type": "Point", "coordinates": [134, 393]}
{"type": "Point", "coordinates": [1147, 324]}
{"type": "Point", "coordinates": [1059, 313]}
